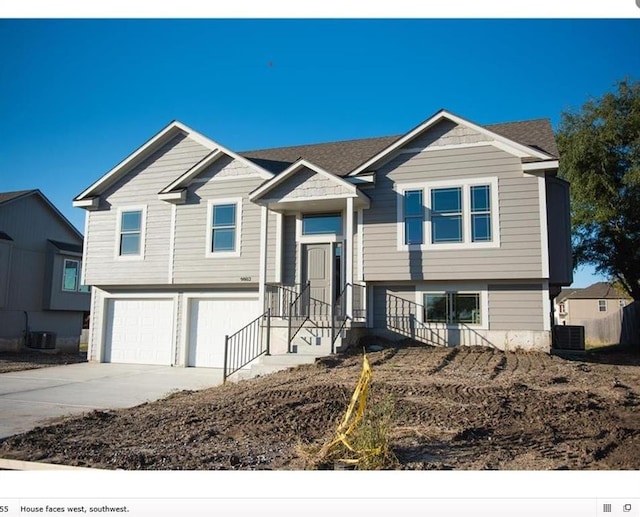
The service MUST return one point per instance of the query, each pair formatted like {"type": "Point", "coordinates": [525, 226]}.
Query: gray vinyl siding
{"type": "Point", "coordinates": [139, 187]}
{"type": "Point", "coordinates": [305, 184]}
{"type": "Point", "coordinates": [447, 133]}
{"type": "Point", "coordinates": [516, 307]}
{"type": "Point", "coordinates": [289, 262]}
{"type": "Point", "coordinates": [191, 263]}
{"type": "Point", "coordinates": [389, 301]}
{"type": "Point", "coordinates": [55, 298]}
{"type": "Point", "coordinates": [30, 222]}
{"type": "Point", "coordinates": [559, 230]}
{"type": "Point", "coordinates": [519, 254]}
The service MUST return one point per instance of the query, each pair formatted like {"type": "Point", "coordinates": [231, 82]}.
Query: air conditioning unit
{"type": "Point", "coordinates": [42, 340]}
{"type": "Point", "coordinates": [569, 337]}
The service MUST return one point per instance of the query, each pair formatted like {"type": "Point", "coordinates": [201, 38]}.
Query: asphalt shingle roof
{"type": "Point", "coordinates": [344, 156]}
{"type": "Point", "coordinates": [8, 196]}
{"type": "Point", "coordinates": [66, 246]}
{"type": "Point", "coordinates": [597, 291]}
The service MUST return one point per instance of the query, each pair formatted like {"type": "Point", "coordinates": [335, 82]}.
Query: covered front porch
{"type": "Point", "coordinates": [316, 271]}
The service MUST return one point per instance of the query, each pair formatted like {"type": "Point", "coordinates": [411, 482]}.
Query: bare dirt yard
{"type": "Point", "coordinates": [462, 408]}
{"type": "Point", "coordinates": [17, 361]}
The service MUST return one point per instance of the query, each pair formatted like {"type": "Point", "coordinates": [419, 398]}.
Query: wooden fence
{"type": "Point", "coordinates": [622, 327]}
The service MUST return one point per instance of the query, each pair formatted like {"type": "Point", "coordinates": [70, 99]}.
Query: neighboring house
{"type": "Point", "coordinates": [599, 300]}
{"type": "Point", "coordinates": [40, 264]}
{"type": "Point", "coordinates": [453, 233]}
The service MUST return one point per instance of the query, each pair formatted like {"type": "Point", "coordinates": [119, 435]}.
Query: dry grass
{"type": "Point", "coordinates": [368, 444]}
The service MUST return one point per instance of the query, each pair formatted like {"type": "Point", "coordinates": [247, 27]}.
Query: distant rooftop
{"type": "Point", "coordinates": [597, 291]}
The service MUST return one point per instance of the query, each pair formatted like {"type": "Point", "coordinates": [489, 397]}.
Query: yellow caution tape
{"type": "Point", "coordinates": [351, 420]}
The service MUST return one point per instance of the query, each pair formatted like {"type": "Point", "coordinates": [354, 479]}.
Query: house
{"type": "Point", "coordinates": [42, 301]}
{"type": "Point", "coordinates": [575, 306]}
{"type": "Point", "coordinates": [452, 233]}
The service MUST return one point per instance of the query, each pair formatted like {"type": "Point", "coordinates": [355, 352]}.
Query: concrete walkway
{"type": "Point", "coordinates": [32, 397]}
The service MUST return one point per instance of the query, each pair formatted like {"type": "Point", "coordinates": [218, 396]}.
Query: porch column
{"type": "Point", "coordinates": [349, 256]}
{"type": "Point", "coordinates": [264, 223]}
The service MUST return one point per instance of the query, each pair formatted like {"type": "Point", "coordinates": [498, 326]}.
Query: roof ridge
{"type": "Point", "coordinates": [332, 142]}
{"type": "Point", "coordinates": [518, 121]}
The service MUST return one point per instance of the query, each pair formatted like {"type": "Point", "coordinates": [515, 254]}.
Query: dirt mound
{"type": "Point", "coordinates": [462, 408]}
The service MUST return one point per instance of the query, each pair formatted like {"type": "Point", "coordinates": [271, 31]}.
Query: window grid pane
{"type": "Point", "coordinates": [317, 224]}
{"type": "Point", "coordinates": [131, 221]}
{"type": "Point", "coordinates": [446, 217]}
{"type": "Point", "coordinates": [224, 216]}
{"type": "Point", "coordinates": [130, 244]}
{"type": "Point", "coordinates": [467, 308]}
{"type": "Point", "coordinates": [436, 308]}
{"type": "Point", "coordinates": [480, 213]}
{"type": "Point", "coordinates": [413, 217]}
{"type": "Point", "coordinates": [70, 280]}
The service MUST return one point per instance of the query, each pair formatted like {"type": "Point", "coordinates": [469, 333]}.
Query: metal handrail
{"type": "Point", "coordinates": [304, 316]}
{"type": "Point", "coordinates": [278, 298]}
{"type": "Point", "coordinates": [246, 345]}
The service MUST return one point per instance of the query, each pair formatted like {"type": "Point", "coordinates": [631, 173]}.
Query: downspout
{"type": "Point", "coordinates": [26, 329]}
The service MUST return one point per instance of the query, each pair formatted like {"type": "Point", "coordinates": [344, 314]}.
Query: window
{"type": "Point", "coordinates": [223, 235]}
{"type": "Point", "coordinates": [223, 227]}
{"type": "Point", "coordinates": [562, 308]}
{"type": "Point", "coordinates": [446, 215]}
{"type": "Point", "coordinates": [70, 275]}
{"type": "Point", "coordinates": [315, 224]}
{"type": "Point", "coordinates": [602, 305]}
{"type": "Point", "coordinates": [452, 308]}
{"type": "Point", "coordinates": [480, 213]}
{"type": "Point", "coordinates": [130, 232]}
{"type": "Point", "coordinates": [413, 217]}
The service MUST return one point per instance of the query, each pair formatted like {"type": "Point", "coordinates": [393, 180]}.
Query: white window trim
{"type": "Point", "coordinates": [143, 232]}
{"type": "Point", "coordinates": [238, 238]}
{"type": "Point", "coordinates": [319, 238]}
{"type": "Point", "coordinates": [481, 289]}
{"type": "Point", "coordinates": [465, 184]}
{"type": "Point", "coordinates": [64, 268]}
{"type": "Point", "coordinates": [600, 304]}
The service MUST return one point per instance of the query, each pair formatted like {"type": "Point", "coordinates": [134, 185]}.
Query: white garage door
{"type": "Point", "coordinates": [210, 320]}
{"type": "Point", "coordinates": [139, 331]}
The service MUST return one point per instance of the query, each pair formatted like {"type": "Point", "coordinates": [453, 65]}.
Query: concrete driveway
{"type": "Point", "coordinates": [33, 397]}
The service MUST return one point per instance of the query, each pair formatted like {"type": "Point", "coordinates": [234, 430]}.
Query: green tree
{"type": "Point", "coordinates": [600, 155]}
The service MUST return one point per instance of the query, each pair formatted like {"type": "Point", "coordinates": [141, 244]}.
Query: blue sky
{"type": "Point", "coordinates": [77, 96]}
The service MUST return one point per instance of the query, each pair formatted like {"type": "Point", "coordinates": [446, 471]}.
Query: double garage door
{"type": "Point", "coordinates": [143, 331]}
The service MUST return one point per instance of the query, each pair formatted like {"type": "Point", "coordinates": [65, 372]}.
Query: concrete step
{"type": "Point", "coordinates": [289, 359]}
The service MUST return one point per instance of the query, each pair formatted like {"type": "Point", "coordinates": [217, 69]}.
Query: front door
{"type": "Point", "coordinates": [316, 269]}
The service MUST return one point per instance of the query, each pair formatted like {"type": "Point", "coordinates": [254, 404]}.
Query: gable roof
{"type": "Point", "coordinates": [344, 156]}
{"type": "Point", "coordinates": [165, 135]}
{"type": "Point", "coordinates": [8, 197]}
{"type": "Point", "coordinates": [338, 157]}
{"type": "Point", "coordinates": [5, 197]}
{"type": "Point", "coordinates": [597, 291]}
